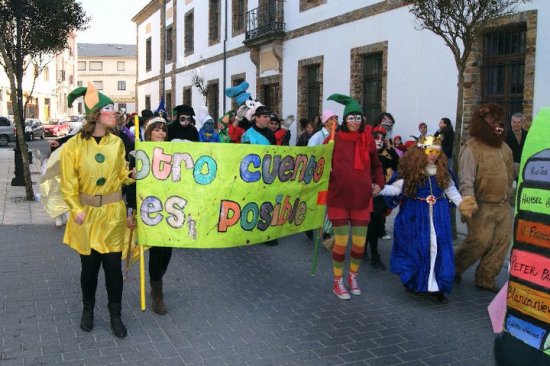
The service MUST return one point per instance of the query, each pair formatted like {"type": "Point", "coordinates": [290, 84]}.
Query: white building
{"type": "Point", "coordinates": [47, 93]}
{"type": "Point", "coordinates": [296, 53]}
{"type": "Point", "coordinates": [112, 69]}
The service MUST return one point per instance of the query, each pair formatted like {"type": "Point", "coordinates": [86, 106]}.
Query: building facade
{"type": "Point", "coordinates": [112, 69]}
{"type": "Point", "coordinates": [295, 54]}
{"type": "Point", "coordinates": [46, 83]}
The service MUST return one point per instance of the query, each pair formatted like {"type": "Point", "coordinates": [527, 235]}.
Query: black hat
{"type": "Point", "coordinates": [184, 109]}
{"type": "Point", "coordinates": [147, 113]}
{"type": "Point", "coordinates": [263, 111]}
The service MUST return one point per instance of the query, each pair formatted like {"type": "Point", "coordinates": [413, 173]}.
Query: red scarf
{"type": "Point", "coordinates": [362, 141]}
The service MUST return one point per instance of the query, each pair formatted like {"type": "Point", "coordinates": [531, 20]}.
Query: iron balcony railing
{"type": "Point", "coordinates": [265, 20]}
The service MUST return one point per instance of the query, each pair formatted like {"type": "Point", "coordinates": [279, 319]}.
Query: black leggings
{"type": "Point", "coordinates": [89, 273]}
{"type": "Point", "coordinates": [159, 257]}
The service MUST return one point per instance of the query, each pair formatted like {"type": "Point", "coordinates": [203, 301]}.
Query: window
{"type": "Point", "coordinates": [71, 79]}
{"type": "Point", "coordinates": [239, 12]}
{"type": "Point", "coordinates": [372, 85]}
{"type": "Point", "coordinates": [4, 122]}
{"type": "Point", "coordinates": [96, 65]}
{"type": "Point", "coordinates": [62, 75]}
{"type": "Point", "coordinates": [122, 85]}
{"type": "Point", "coordinates": [503, 70]}
{"type": "Point", "coordinates": [81, 65]}
{"type": "Point", "coordinates": [313, 91]}
{"type": "Point", "coordinates": [187, 95]}
{"type": "Point", "coordinates": [169, 45]}
{"type": "Point", "coordinates": [122, 106]}
{"type": "Point", "coordinates": [189, 33]}
{"type": "Point", "coordinates": [213, 99]}
{"type": "Point", "coordinates": [98, 85]}
{"type": "Point", "coordinates": [121, 66]}
{"type": "Point", "coordinates": [148, 54]}
{"type": "Point", "coordinates": [46, 74]}
{"type": "Point", "coordinates": [270, 96]}
{"type": "Point", "coordinates": [147, 102]}
{"type": "Point", "coordinates": [214, 21]}
{"type": "Point", "coordinates": [79, 83]}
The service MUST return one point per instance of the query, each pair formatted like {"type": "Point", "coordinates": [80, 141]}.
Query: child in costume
{"type": "Point", "coordinates": [422, 253]}
{"type": "Point", "coordinates": [159, 257]}
{"type": "Point", "coordinates": [224, 123]}
{"type": "Point", "coordinates": [389, 160]}
{"type": "Point", "coordinates": [355, 166]}
{"type": "Point", "coordinates": [93, 170]}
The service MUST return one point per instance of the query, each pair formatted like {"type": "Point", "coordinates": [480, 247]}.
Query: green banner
{"type": "Point", "coordinates": [208, 195]}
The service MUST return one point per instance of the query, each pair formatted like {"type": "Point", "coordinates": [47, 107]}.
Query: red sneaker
{"type": "Point", "coordinates": [339, 289]}
{"type": "Point", "coordinates": [353, 285]}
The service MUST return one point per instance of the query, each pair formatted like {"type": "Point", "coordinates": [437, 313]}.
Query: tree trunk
{"type": "Point", "coordinates": [458, 139]}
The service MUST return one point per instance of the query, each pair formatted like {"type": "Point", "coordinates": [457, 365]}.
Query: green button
{"type": "Point", "coordinates": [99, 157]}
{"type": "Point", "coordinates": [101, 181]}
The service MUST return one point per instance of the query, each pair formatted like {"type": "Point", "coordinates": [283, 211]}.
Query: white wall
{"type": "Point", "coordinates": [421, 79]}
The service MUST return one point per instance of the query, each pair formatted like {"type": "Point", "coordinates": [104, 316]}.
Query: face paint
{"type": "Point", "coordinates": [108, 108]}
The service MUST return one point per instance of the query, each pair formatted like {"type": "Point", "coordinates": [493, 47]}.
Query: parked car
{"type": "Point", "coordinates": [56, 127]}
{"type": "Point", "coordinates": [75, 122]}
{"type": "Point", "coordinates": [33, 128]}
{"type": "Point", "coordinates": [7, 131]}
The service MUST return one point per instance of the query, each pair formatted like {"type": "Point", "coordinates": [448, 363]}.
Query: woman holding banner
{"type": "Point", "coordinates": [93, 170]}
{"type": "Point", "coordinates": [355, 167]}
{"type": "Point", "coordinates": [159, 257]}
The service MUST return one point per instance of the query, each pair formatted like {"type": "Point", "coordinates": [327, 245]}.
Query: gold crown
{"type": "Point", "coordinates": [429, 141]}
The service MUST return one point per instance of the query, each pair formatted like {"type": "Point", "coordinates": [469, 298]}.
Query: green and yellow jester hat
{"type": "Point", "coordinates": [93, 100]}
{"type": "Point", "coordinates": [227, 118]}
{"type": "Point", "coordinates": [350, 104]}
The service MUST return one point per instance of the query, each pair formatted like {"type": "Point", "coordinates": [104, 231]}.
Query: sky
{"type": "Point", "coordinates": [111, 21]}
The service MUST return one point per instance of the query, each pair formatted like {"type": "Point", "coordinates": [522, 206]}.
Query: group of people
{"type": "Point", "coordinates": [368, 178]}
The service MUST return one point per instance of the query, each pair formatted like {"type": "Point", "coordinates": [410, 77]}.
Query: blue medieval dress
{"type": "Point", "coordinates": [422, 252]}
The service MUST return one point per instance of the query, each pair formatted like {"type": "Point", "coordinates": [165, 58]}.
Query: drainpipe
{"type": "Point", "coordinates": [224, 58]}
{"type": "Point", "coordinates": [163, 59]}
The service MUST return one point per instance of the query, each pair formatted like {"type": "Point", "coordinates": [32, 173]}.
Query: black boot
{"type": "Point", "coordinates": [87, 319]}
{"type": "Point", "coordinates": [117, 325]}
{"type": "Point", "coordinates": [157, 295]}
{"type": "Point", "coordinates": [376, 262]}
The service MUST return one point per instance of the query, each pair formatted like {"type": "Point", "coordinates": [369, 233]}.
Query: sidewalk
{"type": "Point", "coordinates": [14, 208]}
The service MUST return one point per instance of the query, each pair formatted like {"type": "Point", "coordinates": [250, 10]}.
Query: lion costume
{"type": "Point", "coordinates": [486, 177]}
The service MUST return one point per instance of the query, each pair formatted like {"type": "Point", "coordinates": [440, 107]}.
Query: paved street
{"type": "Point", "coordinates": [257, 305]}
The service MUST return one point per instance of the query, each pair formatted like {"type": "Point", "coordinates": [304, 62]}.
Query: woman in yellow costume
{"type": "Point", "coordinates": [93, 170]}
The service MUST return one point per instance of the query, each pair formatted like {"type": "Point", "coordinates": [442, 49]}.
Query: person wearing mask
{"type": "Point", "coordinates": [486, 178]}
{"type": "Point", "coordinates": [376, 229]}
{"type": "Point", "coordinates": [355, 167]}
{"type": "Point", "coordinates": [93, 171]}
{"type": "Point", "coordinates": [182, 128]}
{"type": "Point", "coordinates": [422, 252]}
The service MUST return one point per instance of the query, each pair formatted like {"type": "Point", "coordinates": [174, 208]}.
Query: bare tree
{"type": "Point", "coordinates": [460, 23]}
{"type": "Point", "coordinates": [29, 31]}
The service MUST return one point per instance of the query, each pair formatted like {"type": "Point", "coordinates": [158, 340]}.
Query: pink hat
{"type": "Point", "coordinates": [326, 115]}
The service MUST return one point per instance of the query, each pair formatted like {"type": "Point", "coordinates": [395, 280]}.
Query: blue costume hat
{"type": "Point", "coordinates": [238, 93]}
